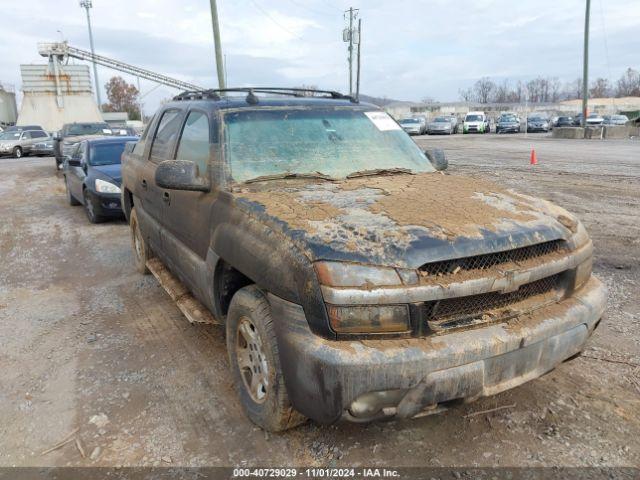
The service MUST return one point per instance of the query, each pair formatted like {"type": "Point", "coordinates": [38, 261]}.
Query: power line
{"type": "Point", "coordinates": [312, 10]}
{"type": "Point", "coordinates": [268, 15]}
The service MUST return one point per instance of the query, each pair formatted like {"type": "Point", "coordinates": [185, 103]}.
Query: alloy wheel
{"type": "Point", "coordinates": [252, 362]}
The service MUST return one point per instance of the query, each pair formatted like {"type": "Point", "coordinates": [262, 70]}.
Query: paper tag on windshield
{"type": "Point", "coordinates": [382, 121]}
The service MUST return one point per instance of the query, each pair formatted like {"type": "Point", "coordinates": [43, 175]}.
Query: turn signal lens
{"type": "Point", "coordinates": [369, 319]}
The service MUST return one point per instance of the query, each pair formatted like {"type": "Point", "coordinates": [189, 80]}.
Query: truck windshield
{"type": "Point", "coordinates": [473, 118]}
{"type": "Point", "coordinates": [334, 142]}
{"type": "Point", "coordinates": [78, 129]}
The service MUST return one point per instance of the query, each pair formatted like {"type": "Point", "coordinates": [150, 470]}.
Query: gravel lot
{"type": "Point", "coordinates": [88, 344]}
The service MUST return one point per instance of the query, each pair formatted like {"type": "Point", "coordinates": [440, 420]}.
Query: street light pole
{"type": "Point", "coordinates": [585, 66]}
{"type": "Point", "coordinates": [86, 4]}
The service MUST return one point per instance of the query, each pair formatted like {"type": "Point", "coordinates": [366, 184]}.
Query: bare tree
{"type": "Point", "coordinates": [484, 89]}
{"type": "Point", "coordinates": [466, 95]}
{"type": "Point", "coordinates": [629, 84]}
{"type": "Point", "coordinates": [503, 92]}
{"type": "Point", "coordinates": [600, 88]}
{"type": "Point", "coordinates": [573, 89]}
{"type": "Point", "coordinates": [554, 89]}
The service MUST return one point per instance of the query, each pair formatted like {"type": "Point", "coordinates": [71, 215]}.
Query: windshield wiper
{"type": "Point", "coordinates": [379, 171]}
{"type": "Point", "coordinates": [285, 175]}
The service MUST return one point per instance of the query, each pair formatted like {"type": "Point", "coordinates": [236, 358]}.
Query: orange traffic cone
{"type": "Point", "coordinates": [534, 160]}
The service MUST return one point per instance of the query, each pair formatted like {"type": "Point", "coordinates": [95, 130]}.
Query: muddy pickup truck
{"type": "Point", "coordinates": [354, 280]}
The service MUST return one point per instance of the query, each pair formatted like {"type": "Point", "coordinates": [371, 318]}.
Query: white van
{"type": "Point", "coordinates": [475, 122]}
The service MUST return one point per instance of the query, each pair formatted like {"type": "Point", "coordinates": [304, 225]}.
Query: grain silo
{"type": "Point", "coordinates": [55, 94]}
{"type": "Point", "coordinates": [8, 110]}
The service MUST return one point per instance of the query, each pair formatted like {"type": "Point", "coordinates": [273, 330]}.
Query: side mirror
{"type": "Point", "coordinates": [437, 158]}
{"type": "Point", "coordinates": [180, 175]}
{"type": "Point", "coordinates": [74, 161]}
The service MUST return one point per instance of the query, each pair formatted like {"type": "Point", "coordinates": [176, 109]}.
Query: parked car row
{"type": "Point", "coordinates": [22, 140]}
{"type": "Point", "coordinates": [507, 122]}
{"type": "Point", "coordinates": [593, 119]}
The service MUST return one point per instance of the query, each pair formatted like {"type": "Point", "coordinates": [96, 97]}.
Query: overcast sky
{"type": "Point", "coordinates": [411, 49]}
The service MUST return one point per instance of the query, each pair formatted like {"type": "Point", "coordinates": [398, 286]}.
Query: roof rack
{"type": "Point", "coordinates": [217, 94]}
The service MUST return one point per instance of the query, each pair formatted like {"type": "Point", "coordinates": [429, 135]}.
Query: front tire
{"type": "Point", "coordinates": [255, 362]}
{"type": "Point", "coordinates": [70, 198]}
{"type": "Point", "coordinates": [141, 250]}
{"type": "Point", "coordinates": [90, 208]}
{"type": "Point", "coordinates": [17, 152]}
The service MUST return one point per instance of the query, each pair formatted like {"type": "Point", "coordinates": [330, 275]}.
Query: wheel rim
{"type": "Point", "coordinates": [137, 242]}
{"type": "Point", "coordinates": [252, 362]}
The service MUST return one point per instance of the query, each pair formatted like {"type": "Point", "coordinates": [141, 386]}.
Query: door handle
{"type": "Point", "coordinates": [144, 184]}
{"type": "Point", "coordinates": [166, 197]}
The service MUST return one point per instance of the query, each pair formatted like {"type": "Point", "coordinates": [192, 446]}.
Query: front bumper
{"type": "Point", "coordinates": [324, 377]}
{"type": "Point", "coordinates": [107, 204]}
{"type": "Point", "coordinates": [48, 152]}
{"type": "Point", "coordinates": [508, 128]}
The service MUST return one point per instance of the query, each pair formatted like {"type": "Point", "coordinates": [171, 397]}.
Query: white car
{"type": "Point", "coordinates": [594, 119]}
{"type": "Point", "coordinates": [475, 122]}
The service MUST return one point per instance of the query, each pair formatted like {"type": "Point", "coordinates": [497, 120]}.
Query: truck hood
{"type": "Point", "coordinates": [403, 220]}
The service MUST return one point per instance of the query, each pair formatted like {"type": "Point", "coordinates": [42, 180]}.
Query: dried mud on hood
{"type": "Point", "coordinates": [388, 215]}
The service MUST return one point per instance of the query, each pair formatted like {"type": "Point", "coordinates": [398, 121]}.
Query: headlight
{"type": "Point", "coordinates": [106, 187]}
{"type": "Point", "coordinates": [343, 274]}
{"type": "Point", "coordinates": [369, 319]}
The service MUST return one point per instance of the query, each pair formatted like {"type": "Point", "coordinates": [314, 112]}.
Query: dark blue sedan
{"type": "Point", "coordinates": [92, 176]}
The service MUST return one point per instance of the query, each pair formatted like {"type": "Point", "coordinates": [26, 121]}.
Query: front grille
{"type": "Point", "coordinates": [493, 306]}
{"type": "Point", "coordinates": [484, 262]}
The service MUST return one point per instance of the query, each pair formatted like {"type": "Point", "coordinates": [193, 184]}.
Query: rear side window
{"type": "Point", "coordinates": [168, 130]}
{"type": "Point", "coordinates": [194, 143]}
{"type": "Point", "coordinates": [38, 134]}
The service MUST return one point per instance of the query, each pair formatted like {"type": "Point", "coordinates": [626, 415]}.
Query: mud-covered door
{"type": "Point", "coordinates": [188, 214]}
{"type": "Point", "coordinates": [153, 197]}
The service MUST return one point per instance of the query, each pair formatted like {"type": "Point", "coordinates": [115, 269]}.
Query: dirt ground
{"type": "Point", "coordinates": [86, 343]}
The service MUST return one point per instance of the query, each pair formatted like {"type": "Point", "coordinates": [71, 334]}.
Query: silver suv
{"type": "Point", "coordinates": [20, 143]}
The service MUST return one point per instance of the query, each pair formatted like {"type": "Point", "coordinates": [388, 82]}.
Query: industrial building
{"type": "Point", "coordinates": [8, 110]}
{"type": "Point", "coordinates": [57, 93]}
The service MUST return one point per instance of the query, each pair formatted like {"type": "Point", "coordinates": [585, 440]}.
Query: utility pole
{"type": "Point", "coordinates": [585, 66]}
{"type": "Point", "coordinates": [218, 46]}
{"type": "Point", "coordinates": [86, 4]}
{"type": "Point", "coordinates": [347, 36]}
{"type": "Point", "coordinates": [359, 48]}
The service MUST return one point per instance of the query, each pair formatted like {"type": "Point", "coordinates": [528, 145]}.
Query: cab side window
{"type": "Point", "coordinates": [166, 134]}
{"type": "Point", "coordinates": [194, 142]}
